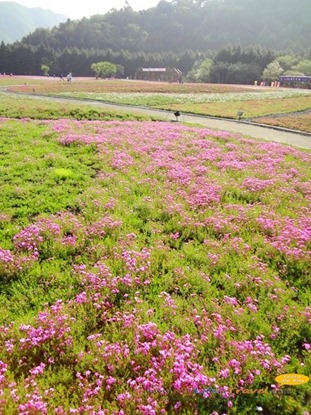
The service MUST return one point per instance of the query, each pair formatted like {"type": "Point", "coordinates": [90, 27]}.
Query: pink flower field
{"type": "Point", "coordinates": [188, 261]}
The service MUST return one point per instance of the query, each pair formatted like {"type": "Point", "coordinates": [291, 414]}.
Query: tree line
{"type": "Point", "coordinates": [21, 59]}
{"type": "Point", "coordinates": [236, 65]}
{"type": "Point", "coordinates": [231, 64]}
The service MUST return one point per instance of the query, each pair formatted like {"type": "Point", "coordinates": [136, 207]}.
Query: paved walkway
{"type": "Point", "coordinates": [256, 131]}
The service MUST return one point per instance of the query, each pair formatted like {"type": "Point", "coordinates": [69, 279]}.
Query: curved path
{"type": "Point", "coordinates": [280, 135]}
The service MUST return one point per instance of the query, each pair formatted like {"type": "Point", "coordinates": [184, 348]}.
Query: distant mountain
{"type": "Point", "coordinates": [17, 21]}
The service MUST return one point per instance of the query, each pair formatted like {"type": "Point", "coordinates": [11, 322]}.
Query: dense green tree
{"type": "Point", "coordinates": [104, 69]}
{"type": "Point", "coordinates": [304, 67]}
{"type": "Point", "coordinates": [272, 71]}
{"type": "Point", "coordinates": [243, 73]}
{"type": "Point", "coordinates": [287, 62]}
{"type": "Point", "coordinates": [293, 72]}
{"type": "Point", "coordinates": [45, 69]}
{"type": "Point", "coordinates": [219, 72]}
{"type": "Point", "coordinates": [203, 72]}
{"type": "Point", "coordinates": [5, 54]}
{"type": "Point", "coordinates": [119, 71]}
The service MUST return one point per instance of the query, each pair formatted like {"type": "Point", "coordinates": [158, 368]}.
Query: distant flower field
{"type": "Point", "coordinates": [224, 101]}
{"type": "Point", "coordinates": [300, 122]}
{"type": "Point", "coordinates": [176, 280]}
{"type": "Point", "coordinates": [226, 104]}
{"type": "Point", "coordinates": [156, 99]}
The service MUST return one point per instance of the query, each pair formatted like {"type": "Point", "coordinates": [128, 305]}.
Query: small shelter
{"type": "Point", "coordinates": [159, 74]}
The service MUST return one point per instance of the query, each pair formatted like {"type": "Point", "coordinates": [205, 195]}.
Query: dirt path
{"type": "Point", "coordinates": [302, 140]}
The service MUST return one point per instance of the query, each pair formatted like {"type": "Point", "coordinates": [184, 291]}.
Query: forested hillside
{"type": "Point", "coordinates": [189, 24]}
{"type": "Point", "coordinates": [17, 21]}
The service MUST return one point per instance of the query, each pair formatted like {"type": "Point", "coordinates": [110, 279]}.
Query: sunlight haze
{"type": "Point", "coordinates": [78, 10]}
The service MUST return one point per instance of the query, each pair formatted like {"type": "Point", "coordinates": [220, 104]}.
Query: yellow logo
{"type": "Point", "coordinates": [292, 379]}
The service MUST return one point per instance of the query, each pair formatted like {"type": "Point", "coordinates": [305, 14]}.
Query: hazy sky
{"type": "Point", "coordinates": [80, 8]}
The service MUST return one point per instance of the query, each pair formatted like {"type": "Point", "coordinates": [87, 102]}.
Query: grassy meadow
{"type": "Point", "coordinates": [12, 106]}
{"type": "Point", "coordinates": [149, 267]}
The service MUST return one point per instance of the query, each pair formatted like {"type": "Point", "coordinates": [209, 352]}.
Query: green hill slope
{"type": "Point", "coordinates": [17, 21]}
{"type": "Point", "coordinates": [189, 24]}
